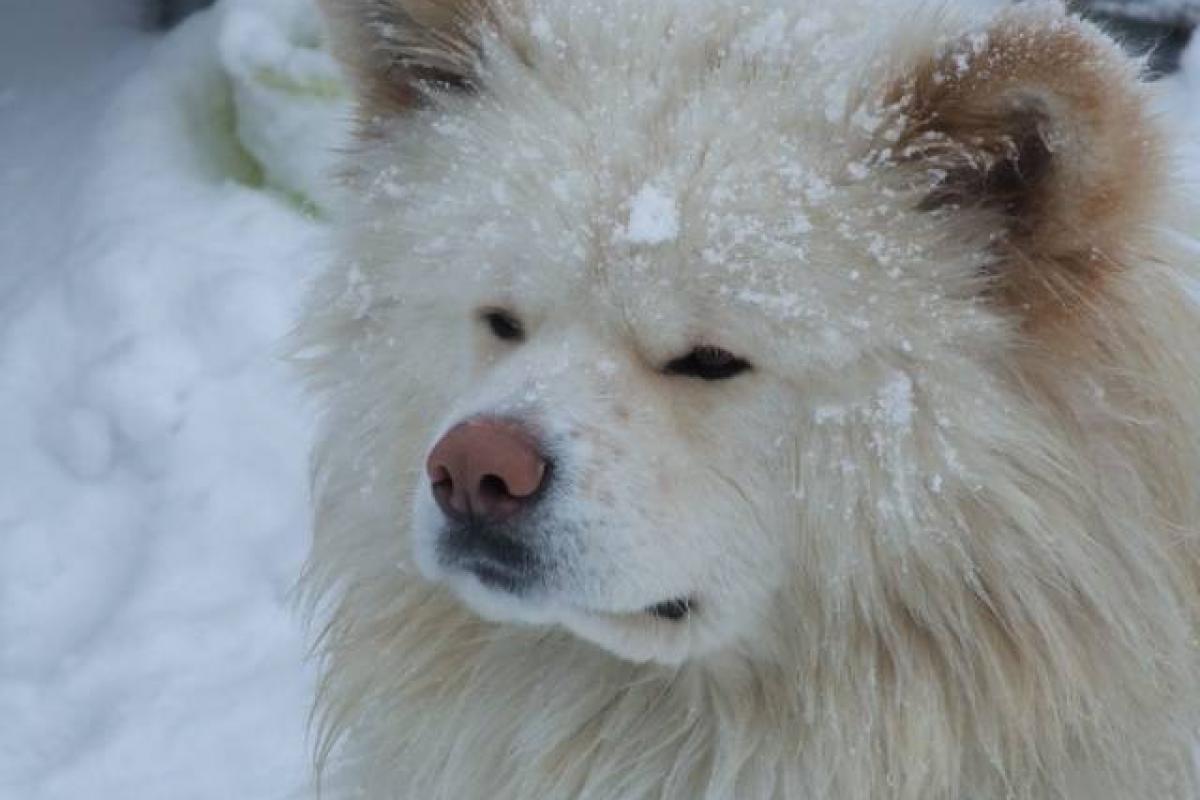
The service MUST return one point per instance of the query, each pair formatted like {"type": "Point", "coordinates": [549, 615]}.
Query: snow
{"type": "Point", "coordinates": [155, 241]}
{"type": "Point", "coordinates": [539, 26]}
{"type": "Point", "coordinates": [153, 511]}
{"type": "Point", "coordinates": [896, 401]}
{"type": "Point", "coordinates": [653, 217]}
{"type": "Point", "coordinates": [291, 103]}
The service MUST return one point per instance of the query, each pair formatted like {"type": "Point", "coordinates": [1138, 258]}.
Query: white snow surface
{"type": "Point", "coordinates": [153, 511]}
{"type": "Point", "coordinates": [154, 243]}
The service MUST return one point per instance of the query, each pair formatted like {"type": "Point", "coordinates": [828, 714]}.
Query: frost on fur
{"type": "Point", "coordinates": [942, 537]}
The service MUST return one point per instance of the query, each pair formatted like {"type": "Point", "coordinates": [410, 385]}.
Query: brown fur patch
{"type": "Point", "coordinates": [1040, 122]}
{"type": "Point", "coordinates": [395, 48]}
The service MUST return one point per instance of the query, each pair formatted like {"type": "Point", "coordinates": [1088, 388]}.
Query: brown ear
{"type": "Point", "coordinates": [1040, 122]}
{"type": "Point", "coordinates": [394, 49]}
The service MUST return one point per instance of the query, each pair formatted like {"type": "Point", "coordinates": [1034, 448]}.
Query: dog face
{"type": "Point", "coordinates": [685, 334]}
{"type": "Point", "coordinates": [634, 372]}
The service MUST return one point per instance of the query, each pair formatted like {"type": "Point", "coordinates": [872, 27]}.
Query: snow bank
{"type": "Point", "coordinates": [291, 103]}
{"type": "Point", "coordinates": [153, 503]}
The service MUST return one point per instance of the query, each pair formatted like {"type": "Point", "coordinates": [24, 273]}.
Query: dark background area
{"type": "Point", "coordinates": [165, 13]}
{"type": "Point", "coordinates": [1161, 28]}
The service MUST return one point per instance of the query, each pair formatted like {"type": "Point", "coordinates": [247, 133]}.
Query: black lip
{"type": "Point", "coordinates": [500, 577]}
{"type": "Point", "coordinates": [672, 610]}
{"type": "Point", "coordinates": [474, 541]}
{"type": "Point", "coordinates": [500, 561]}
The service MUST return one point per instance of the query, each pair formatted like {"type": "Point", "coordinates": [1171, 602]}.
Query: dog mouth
{"type": "Point", "coordinates": [673, 611]}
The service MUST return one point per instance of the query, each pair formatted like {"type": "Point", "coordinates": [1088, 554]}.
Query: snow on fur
{"type": "Point", "coordinates": [924, 583]}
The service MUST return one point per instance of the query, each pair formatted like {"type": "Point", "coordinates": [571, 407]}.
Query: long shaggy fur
{"type": "Point", "coordinates": [974, 485]}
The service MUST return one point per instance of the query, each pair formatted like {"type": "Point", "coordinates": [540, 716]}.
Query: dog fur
{"type": "Point", "coordinates": [942, 538]}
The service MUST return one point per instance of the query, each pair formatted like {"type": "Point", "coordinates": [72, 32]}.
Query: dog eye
{"type": "Point", "coordinates": [708, 363]}
{"type": "Point", "coordinates": [504, 326]}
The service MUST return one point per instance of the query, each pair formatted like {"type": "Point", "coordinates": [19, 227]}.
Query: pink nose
{"type": "Point", "coordinates": [485, 469]}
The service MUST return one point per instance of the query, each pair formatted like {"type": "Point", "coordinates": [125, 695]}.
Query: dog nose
{"type": "Point", "coordinates": [486, 470]}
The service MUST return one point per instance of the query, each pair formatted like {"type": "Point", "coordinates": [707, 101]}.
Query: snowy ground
{"type": "Point", "coordinates": [152, 502]}
{"type": "Point", "coordinates": [154, 241]}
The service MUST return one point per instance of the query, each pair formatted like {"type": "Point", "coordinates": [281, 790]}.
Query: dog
{"type": "Point", "coordinates": [766, 399]}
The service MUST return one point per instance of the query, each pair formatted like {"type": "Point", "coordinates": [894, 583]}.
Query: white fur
{"type": "Point", "coordinates": [932, 556]}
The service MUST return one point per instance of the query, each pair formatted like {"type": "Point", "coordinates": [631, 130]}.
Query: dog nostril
{"type": "Point", "coordinates": [493, 487]}
{"type": "Point", "coordinates": [441, 483]}
{"type": "Point", "coordinates": [494, 499]}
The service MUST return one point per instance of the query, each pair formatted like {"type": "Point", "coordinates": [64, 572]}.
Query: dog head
{"type": "Point", "coordinates": [689, 326]}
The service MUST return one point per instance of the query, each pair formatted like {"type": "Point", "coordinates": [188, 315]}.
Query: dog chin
{"type": "Point", "coordinates": [496, 605]}
{"type": "Point", "coordinates": [638, 636]}
{"type": "Point", "coordinates": [634, 636]}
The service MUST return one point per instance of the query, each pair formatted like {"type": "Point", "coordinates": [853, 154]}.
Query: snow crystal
{"type": "Point", "coordinates": [653, 217]}
{"type": "Point", "coordinates": [766, 37]}
{"type": "Point", "coordinates": [896, 400]}
{"type": "Point", "coordinates": [358, 294]}
{"type": "Point", "coordinates": [539, 26]}
{"type": "Point", "coordinates": [783, 305]}
{"type": "Point", "coordinates": [607, 367]}
{"type": "Point", "coordinates": [827, 413]}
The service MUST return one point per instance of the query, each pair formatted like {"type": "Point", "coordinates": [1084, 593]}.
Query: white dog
{"type": "Point", "coordinates": [753, 399]}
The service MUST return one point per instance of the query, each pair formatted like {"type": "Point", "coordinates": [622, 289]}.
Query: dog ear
{"type": "Point", "coordinates": [1041, 123]}
{"type": "Point", "coordinates": [395, 50]}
